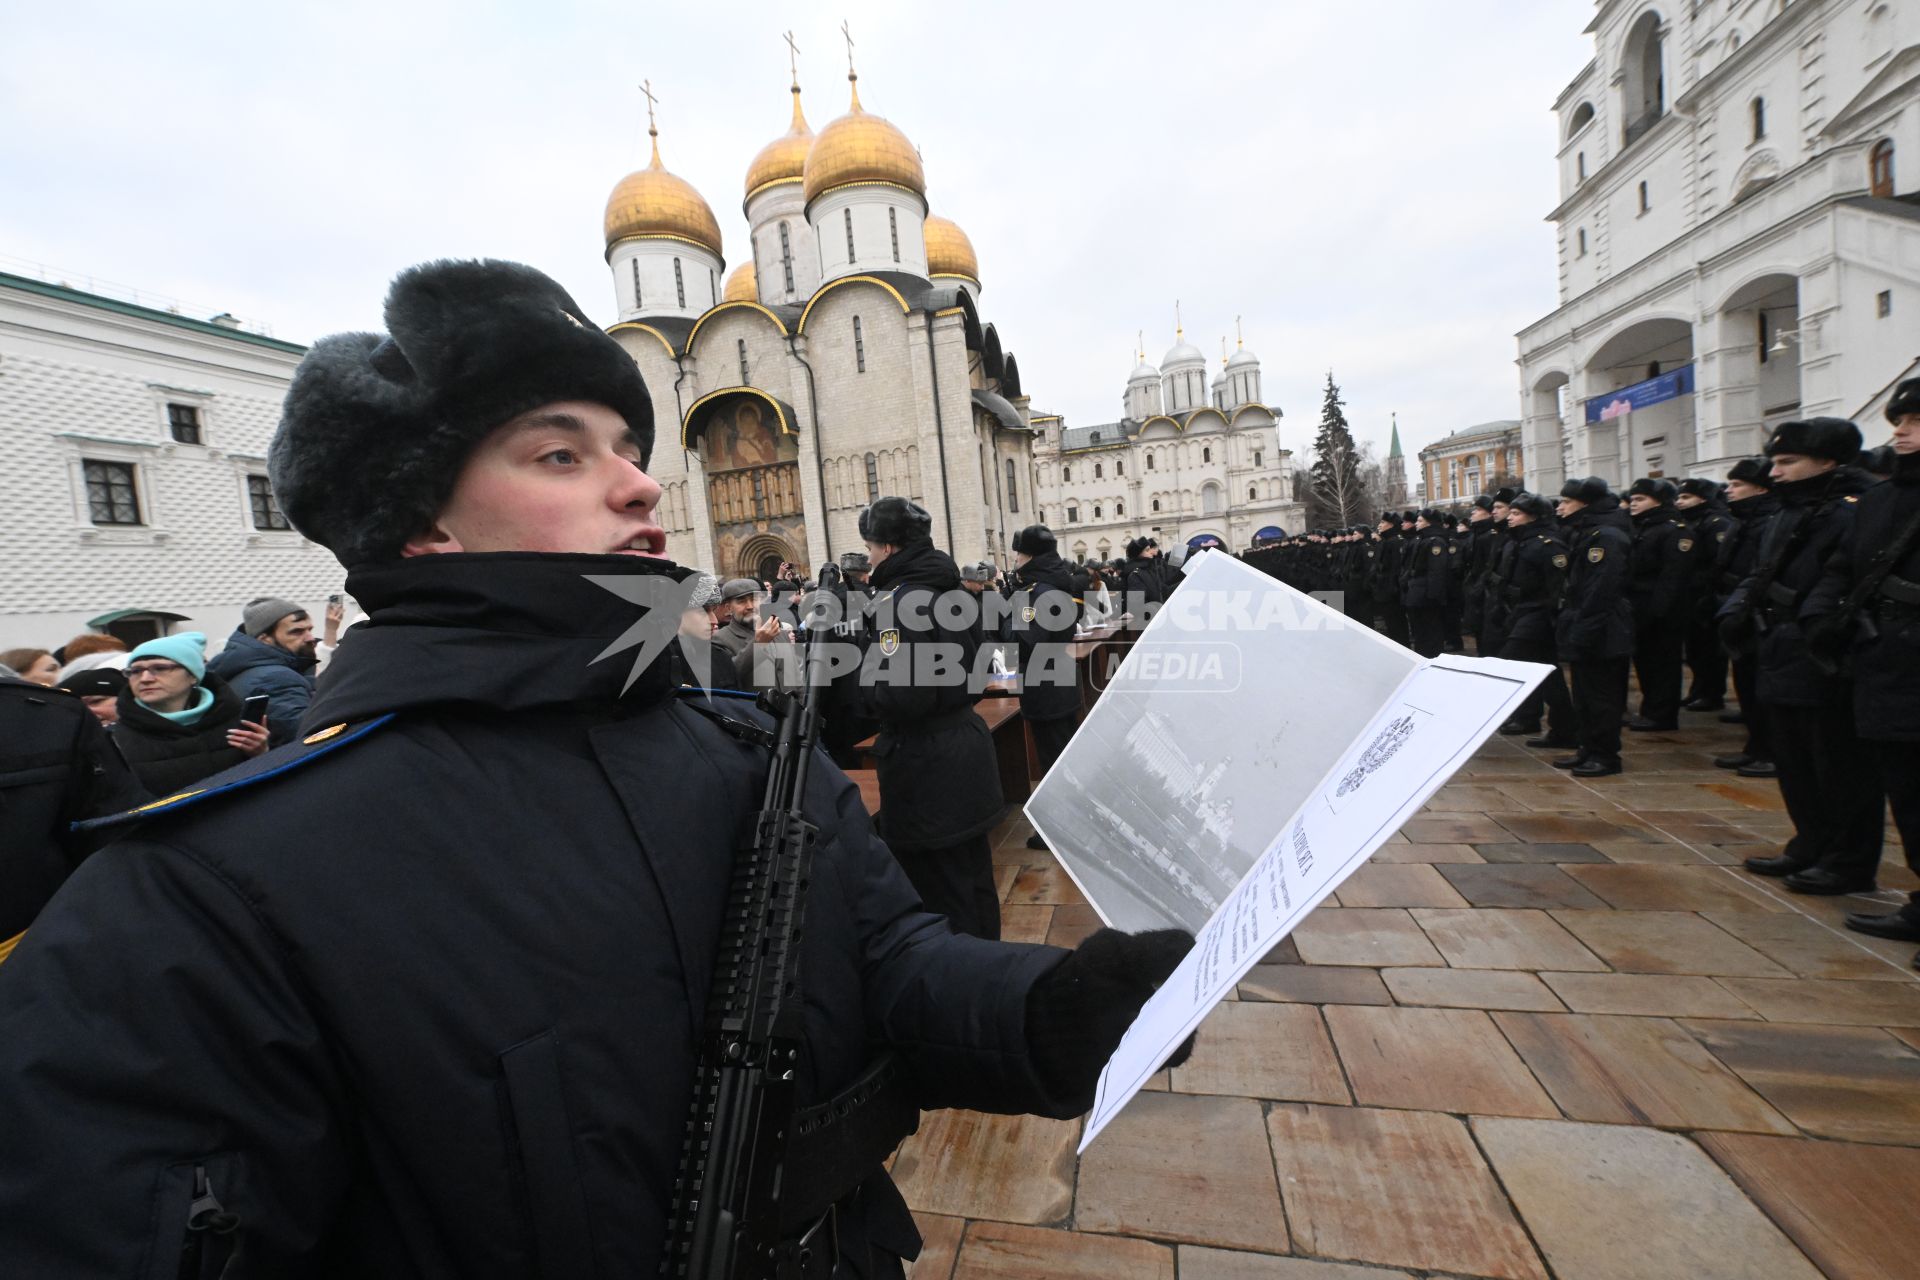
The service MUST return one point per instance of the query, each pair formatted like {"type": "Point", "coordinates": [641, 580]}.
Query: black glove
{"type": "Point", "coordinates": [1829, 639]}
{"type": "Point", "coordinates": [1077, 1013]}
{"type": "Point", "coordinates": [1736, 631]}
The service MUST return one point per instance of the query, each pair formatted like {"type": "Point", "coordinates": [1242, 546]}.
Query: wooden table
{"type": "Point", "coordinates": [869, 783]}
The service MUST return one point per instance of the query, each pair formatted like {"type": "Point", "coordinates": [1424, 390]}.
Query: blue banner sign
{"type": "Point", "coordinates": [1668, 386]}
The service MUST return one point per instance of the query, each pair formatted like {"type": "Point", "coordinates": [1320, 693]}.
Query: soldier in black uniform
{"type": "Point", "coordinates": [1385, 580]}
{"type": "Point", "coordinates": [1827, 779]}
{"type": "Point", "coordinates": [1751, 504]}
{"type": "Point", "coordinates": [1881, 638]}
{"type": "Point", "coordinates": [1044, 611]}
{"type": "Point", "coordinates": [1702, 504]}
{"type": "Point", "coordinates": [1664, 556]}
{"type": "Point", "coordinates": [1145, 578]}
{"type": "Point", "coordinates": [1493, 635]}
{"type": "Point", "coordinates": [1529, 604]}
{"type": "Point", "coordinates": [1426, 578]}
{"type": "Point", "coordinates": [1479, 559]}
{"type": "Point", "coordinates": [1459, 543]}
{"type": "Point", "coordinates": [458, 1037]}
{"type": "Point", "coordinates": [1595, 628]}
{"type": "Point", "coordinates": [1356, 575]}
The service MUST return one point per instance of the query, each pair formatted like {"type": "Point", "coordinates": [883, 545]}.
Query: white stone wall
{"type": "Point", "coordinates": [82, 380]}
{"type": "Point", "coordinates": [766, 211]}
{"type": "Point", "coordinates": [877, 210]}
{"type": "Point", "coordinates": [658, 293]}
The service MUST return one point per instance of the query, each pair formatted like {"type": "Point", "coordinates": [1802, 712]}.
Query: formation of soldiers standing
{"type": "Point", "coordinates": [1798, 578]}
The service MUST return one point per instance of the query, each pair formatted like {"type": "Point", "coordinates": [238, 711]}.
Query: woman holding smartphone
{"type": "Point", "coordinates": [178, 724]}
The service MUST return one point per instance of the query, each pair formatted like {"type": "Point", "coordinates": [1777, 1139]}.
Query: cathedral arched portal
{"type": "Point", "coordinates": [752, 459]}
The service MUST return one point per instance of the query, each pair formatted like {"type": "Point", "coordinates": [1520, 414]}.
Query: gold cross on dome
{"type": "Point", "coordinates": [646, 88]}
{"type": "Point", "coordinates": [847, 32]}
{"type": "Point", "coordinates": [793, 56]}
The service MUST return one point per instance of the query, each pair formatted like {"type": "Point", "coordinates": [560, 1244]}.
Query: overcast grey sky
{"type": "Point", "coordinates": [1364, 184]}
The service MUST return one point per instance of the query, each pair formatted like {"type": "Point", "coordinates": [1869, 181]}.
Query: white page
{"type": "Point", "coordinates": [1176, 781]}
{"type": "Point", "coordinates": [1430, 727]}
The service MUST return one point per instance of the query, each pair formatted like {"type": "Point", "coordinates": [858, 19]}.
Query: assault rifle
{"type": "Point", "coordinates": [759, 1176]}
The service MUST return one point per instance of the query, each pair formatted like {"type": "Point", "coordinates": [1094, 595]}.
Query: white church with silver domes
{"type": "Point", "coordinates": [844, 358]}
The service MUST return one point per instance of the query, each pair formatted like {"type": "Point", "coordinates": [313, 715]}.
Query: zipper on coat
{"type": "Point", "coordinates": [206, 1217]}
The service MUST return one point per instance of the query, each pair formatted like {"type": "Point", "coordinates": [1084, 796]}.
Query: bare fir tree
{"type": "Point", "coordinates": [1337, 491]}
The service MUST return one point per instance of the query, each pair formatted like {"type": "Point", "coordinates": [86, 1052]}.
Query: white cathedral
{"type": "Point", "coordinates": [844, 359]}
{"type": "Point", "coordinates": [1188, 458]}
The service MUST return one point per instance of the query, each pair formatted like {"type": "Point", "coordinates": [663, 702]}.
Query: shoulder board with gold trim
{"type": "Point", "coordinates": [274, 764]}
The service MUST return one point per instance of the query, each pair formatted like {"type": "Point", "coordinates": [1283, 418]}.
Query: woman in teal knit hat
{"type": "Point", "coordinates": [177, 723]}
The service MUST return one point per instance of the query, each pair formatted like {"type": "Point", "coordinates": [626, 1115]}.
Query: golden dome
{"type": "Point", "coordinates": [785, 158]}
{"type": "Point", "coordinates": [654, 203]}
{"type": "Point", "coordinates": [741, 285]}
{"type": "Point", "coordinates": [949, 252]}
{"type": "Point", "coordinates": [862, 148]}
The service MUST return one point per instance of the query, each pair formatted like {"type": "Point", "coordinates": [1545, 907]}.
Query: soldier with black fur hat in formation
{"type": "Point", "coordinates": [1458, 544]}
{"type": "Point", "coordinates": [1664, 555]}
{"type": "Point", "coordinates": [1528, 605]}
{"type": "Point", "coordinates": [1751, 503]}
{"type": "Point", "coordinates": [1478, 557]}
{"type": "Point", "coordinates": [1385, 579]}
{"type": "Point", "coordinates": [1045, 611]}
{"type": "Point", "coordinates": [1356, 575]}
{"type": "Point", "coordinates": [460, 1038]}
{"type": "Point", "coordinates": [1426, 581]}
{"type": "Point", "coordinates": [1492, 638]}
{"type": "Point", "coordinates": [1703, 506]}
{"type": "Point", "coordinates": [1827, 778]}
{"type": "Point", "coordinates": [1145, 578]}
{"type": "Point", "coordinates": [1865, 615]}
{"type": "Point", "coordinates": [1594, 632]}
{"type": "Point", "coordinates": [939, 777]}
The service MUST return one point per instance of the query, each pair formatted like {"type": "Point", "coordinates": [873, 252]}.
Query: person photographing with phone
{"type": "Point", "coordinates": [272, 651]}
{"type": "Point", "coordinates": [179, 722]}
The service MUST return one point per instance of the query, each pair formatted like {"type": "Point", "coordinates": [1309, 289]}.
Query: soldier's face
{"type": "Point", "coordinates": [1519, 519]}
{"type": "Point", "coordinates": [1740, 489]}
{"type": "Point", "coordinates": [1480, 515]}
{"type": "Point", "coordinates": [1906, 433]}
{"type": "Point", "coordinates": [1640, 502]}
{"type": "Point", "coordinates": [1501, 511]}
{"type": "Point", "coordinates": [1566, 508]}
{"type": "Point", "coordinates": [1788, 467]}
{"type": "Point", "coordinates": [564, 477]}
{"type": "Point", "coordinates": [1688, 501]}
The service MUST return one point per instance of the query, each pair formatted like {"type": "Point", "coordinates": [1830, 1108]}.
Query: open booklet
{"type": "Point", "coordinates": [1251, 752]}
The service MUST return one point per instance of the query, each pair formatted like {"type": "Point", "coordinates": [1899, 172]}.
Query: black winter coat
{"type": "Point", "coordinates": [1041, 623]}
{"type": "Point", "coordinates": [1665, 556]}
{"type": "Point", "coordinates": [1886, 656]}
{"type": "Point", "coordinates": [1426, 575]}
{"type": "Point", "coordinates": [939, 776]}
{"type": "Point", "coordinates": [1741, 550]}
{"type": "Point", "coordinates": [1146, 586]}
{"type": "Point", "coordinates": [168, 757]}
{"type": "Point", "coordinates": [1386, 567]}
{"type": "Point", "coordinates": [456, 1039]}
{"type": "Point", "coordinates": [1815, 519]}
{"type": "Point", "coordinates": [1710, 527]}
{"type": "Point", "coordinates": [57, 766]}
{"type": "Point", "coordinates": [1535, 583]}
{"type": "Point", "coordinates": [1596, 621]}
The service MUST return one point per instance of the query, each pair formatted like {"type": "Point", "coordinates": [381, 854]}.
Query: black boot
{"type": "Point", "coordinates": [1779, 865]}
{"type": "Point", "coordinates": [1825, 883]}
{"type": "Point", "coordinates": [1899, 927]}
{"type": "Point", "coordinates": [1596, 767]}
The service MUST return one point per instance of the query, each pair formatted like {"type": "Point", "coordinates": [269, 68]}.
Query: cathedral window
{"type": "Point", "coordinates": [636, 282]}
{"type": "Point", "coordinates": [679, 283]}
{"type": "Point", "coordinates": [1119, 466]}
{"type": "Point", "coordinates": [1580, 166]}
{"type": "Point", "coordinates": [873, 478]}
{"type": "Point", "coordinates": [1646, 202]}
{"type": "Point", "coordinates": [1097, 474]}
{"type": "Point", "coordinates": [1073, 515]}
{"type": "Point", "coordinates": [893, 228]}
{"type": "Point", "coordinates": [183, 423]}
{"type": "Point", "coordinates": [1256, 457]}
{"type": "Point", "coordinates": [1156, 504]}
{"type": "Point", "coordinates": [1251, 496]}
{"type": "Point", "coordinates": [260, 500]}
{"type": "Point", "coordinates": [1119, 508]}
{"type": "Point", "coordinates": [1580, 238]}
{"type": "Point", "coordinates": [1066, 473]}
{"type": "Point", "coordinates": [744, 375]}
{"type": "Point", "coordinates": [786, 255]}
{"type": "Point", "coordinates": [1013, 490]}
{"type": "Point", "coordinates": [859, 348]}
{"type": "Point", "coordinates": [113, 496]}
{"type": "Point", "coordinates": [1149, 462]}
{"type": "Point", "coordinates": [1096, 511]}
{"type": "Point", "coordinates": [1758, 109]}
{"type": "Point", "coordinates": [713, 285]}
{"type": "Point", "coordinates": [848, 215]}
{"type": "Point", "coordinates": [1206, 455]}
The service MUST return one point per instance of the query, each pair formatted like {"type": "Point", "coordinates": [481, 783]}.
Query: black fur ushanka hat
{"type": "Point", "coordinates": [376, 427]}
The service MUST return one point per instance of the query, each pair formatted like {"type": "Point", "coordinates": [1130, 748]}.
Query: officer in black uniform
{"type": "Point", "coordinates": [939, 777]}
{"type": "Point", "coordinates": [1499, 566]}
{"type": "Point", "coordinates": [1875, 573]}
{"type": "Point", "coordinates": [1595, 628]}
{"type": "Point", "coordinates": [1479, 559]}
{"type": "Point", "coordinates": [1386, 579]}
{"type": "Point", "coordinates": [1529, 605]}
{"type": "Point", "coordinates": [57, 766]}
{"type": "Point", "coordinates": [458, 1036]}
{"type": "Point", "coordinates": [1752, 505]}
{"type": "Point", "coordinates": [1702, 504]}
{"type": "Point", "coordinates": [1044, 611]}
{"type": "Point", "coordinates": [1827, 779]}
{"type": "Point", "coordinates": [1425, 581]}
{"type": "Point", "coordinates": [1356, 575]}
{"type": "Point", "coordinates": [1663, 567]}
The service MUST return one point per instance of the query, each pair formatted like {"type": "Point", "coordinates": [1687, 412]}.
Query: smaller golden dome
{"type": "Point", "coordinates": [785, 158]}
{"type": "Point", "coordinates": [862, 148]}
{"type": "Point", "coordinates": [741, 285]}
{"type": "Point", "coordinates": [949, 252]}
{"type": "Point", "coordinates": [653, 202]}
